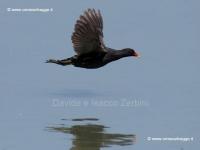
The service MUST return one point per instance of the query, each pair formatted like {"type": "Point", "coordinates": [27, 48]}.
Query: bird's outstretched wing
{"type": "Point", "coordinates": [88, 34]}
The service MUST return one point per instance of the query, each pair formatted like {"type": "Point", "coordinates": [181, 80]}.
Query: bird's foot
{"type": "Point", "coordinates": [63, 62]}
{"type": "Point", "coordinates": [51, 61]}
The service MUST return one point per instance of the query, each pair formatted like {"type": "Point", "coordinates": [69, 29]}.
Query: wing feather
{"type": "Point", "coordinates": [88, 33]}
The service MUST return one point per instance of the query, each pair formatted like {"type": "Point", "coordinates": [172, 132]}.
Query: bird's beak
{"type": "Point", "coordinates": [136, 54]}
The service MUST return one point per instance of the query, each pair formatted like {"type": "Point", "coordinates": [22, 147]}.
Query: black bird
{"type": "Point", "coordinates": [88, 44]}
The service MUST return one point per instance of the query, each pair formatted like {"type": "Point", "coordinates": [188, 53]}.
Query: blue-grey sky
{"type": "Point", "coordinates": [165, 32]}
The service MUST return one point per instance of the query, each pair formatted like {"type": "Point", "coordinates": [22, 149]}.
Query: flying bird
{"type": "Point", "coordinates": [87, 39]}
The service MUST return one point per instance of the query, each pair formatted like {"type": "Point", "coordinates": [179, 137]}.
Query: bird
{"type": "Point", "coordinates": [87, 39]}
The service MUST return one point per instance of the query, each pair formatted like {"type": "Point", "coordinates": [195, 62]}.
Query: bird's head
{"type": "Point", "coordinates": [131, 52]}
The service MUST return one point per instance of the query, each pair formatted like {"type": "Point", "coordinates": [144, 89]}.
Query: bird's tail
{"type": "Point", "coordinates": [62, 62]}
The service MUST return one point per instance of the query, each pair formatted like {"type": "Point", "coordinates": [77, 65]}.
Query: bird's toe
{"type": "Point", "coordinates": [50, 61]}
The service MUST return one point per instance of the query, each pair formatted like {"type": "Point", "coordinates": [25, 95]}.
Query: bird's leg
{"type": "Point", "coordinates": [63, 62]}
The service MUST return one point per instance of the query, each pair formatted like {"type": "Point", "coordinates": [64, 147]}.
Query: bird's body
{"type": "Point", "coordinates": [90, 61]}
{"type": "Point", "coordinates": [88, 44]}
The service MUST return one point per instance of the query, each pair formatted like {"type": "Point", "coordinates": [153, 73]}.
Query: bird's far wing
{"type": "Point", "coordinates": [88, 34]}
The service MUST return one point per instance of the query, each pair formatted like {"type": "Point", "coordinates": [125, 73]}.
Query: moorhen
{"type": "Point", "coordinates": [88, 44]}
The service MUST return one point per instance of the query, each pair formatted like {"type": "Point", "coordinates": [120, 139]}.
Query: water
{"type": "Point", "coordinates": [123, 105]}
{"type": "Point", "coordinates": [93, 136]}
{"type": "Point", "coordinates": [89, 125]}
